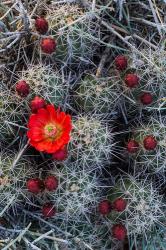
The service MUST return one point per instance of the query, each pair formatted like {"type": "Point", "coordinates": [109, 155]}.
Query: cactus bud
{"type": "Point", "coordinates": [48, 45]}
{"type": "Point", "coordinates": [121, 62]}
{"type": "Point", "coordinates": [131, 80]}
{"type": "Point", "coordinates": [51, 183]}
{"type": "Point", "coordinates": [119, 232]}
{"type": "Point", "coordinates": [37, 103]}
{"type": "Point", "coordinates": [105, 207]}
{"type": "Point", "coordinates": [41, 25]}
{"type": "Point", "coordinates": [149, 142]}
{"type": "Point", "coordinates": [61, 154]}
{"type": "Point", "coordinates": [132, 146]}
{"type": "Point", "coordinates": [146, 98]}
{"type": "Point", "coordinates": [119, 205]}
{"type": "Point", "coordinates": [48, 210]}
{"type": "Point", "coordinates": [35, 185]}
{"type": "Point", "coordinates": [22, 88]}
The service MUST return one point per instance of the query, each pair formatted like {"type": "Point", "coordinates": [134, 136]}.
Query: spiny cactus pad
{"type": "Point", "coordinates": [82, 125]}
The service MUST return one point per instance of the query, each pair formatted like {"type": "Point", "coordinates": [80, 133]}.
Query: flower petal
{"type": "Point", "coordinates": [36, 125]}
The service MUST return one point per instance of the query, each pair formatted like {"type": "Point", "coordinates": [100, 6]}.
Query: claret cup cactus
{"type": "Point", "coordinates": [144, 206]}
{"type": "Point", "coordinates": [91, 141]}
{"type": "Point", "coordinates": [82, 125]}
{"type": "Point", "coordinates": [97, 95]}
{"type": "Point", "coordinates": [149, 149]}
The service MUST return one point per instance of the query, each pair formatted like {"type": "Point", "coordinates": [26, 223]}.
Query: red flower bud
{"type": "Point", "coordinates": [48, 45]}
{"type": "Point", "coordinates": [41, 25]}
{"type": "Point", "coordinates": [105, 207]}
{"type": "Point", "coordinates": [51, 183]}
{"type": "Point", "coordinates": [131, 80]}
{"type": "Point", "coordinates": [121, 62]}
{"type": "Point", "coordinates": [119, 232]}
{"type": "Point", "coordinates": [37, 103]}
{"type": "Point", "coordinates": [22, 88]}
{"type": "Point", "coordinates": [119, 205]}
{"type": "Point", "coordinates": [48, 210]}
{"type": "Point", "coordinates": [35, 185]}
{"type": "Point", "coordinates": [146, 98]}
{"type": "Point", "coordinates": [61, 154]}
{"type": "Point", "coordinates": [149, 142]}
{"type": "Point", "coordinates": [132, 146]}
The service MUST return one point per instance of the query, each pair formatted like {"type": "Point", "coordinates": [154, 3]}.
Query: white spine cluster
{"type": "Point", "coordinates": [43, 81]}
{"type": "Point", "coordinates": [76, 31]}
{"type": "Point", "coordinates": [150, 66]}
{"type": "Point", "coordinates": [10, 114]}
{"type": "Point", "coordinates": [153, 160]}
{"type": "Point", "coordinates": [78, 191]}
{"type": "Point", "coordinates": [91, 142]}
{"type": "Point", "coordinates": [13, 177]}
{"type": "Point", "coordinates": [97, 95]}
{"type": "Point", "coordinates": [145, 206]}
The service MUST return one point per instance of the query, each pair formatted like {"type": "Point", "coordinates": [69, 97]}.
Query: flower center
{"type": "Point", "coordinates": [50, 130]}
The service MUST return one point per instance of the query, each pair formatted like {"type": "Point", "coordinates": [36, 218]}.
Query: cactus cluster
{"type": "Point", "coordinates": [82, 125]}
{"type": "Point", "coordinates": [13, 177]}
{"type": "Point", "coordinates": [97, 95]}
{"type": "Point", "coordinates": [143, 81]}
{"type": "Point", "coordinates": [150, 137]}
{"type": "Point", "coordinates": [78, 191]}
{"type": "Point", "coordinates": [144, 212]}
{"type": "Point", "coordinates": [150, 65]}
{"type": "Point", "coordinates": [74, 28]}
{"type": "Point", "coordinates": [91, 141]}
{"type": "Point", "coordinates": [10, 114]}
{"type": "Point", "coordinates": [46, 83]}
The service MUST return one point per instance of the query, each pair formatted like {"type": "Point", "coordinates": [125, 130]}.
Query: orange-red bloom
{"type": "Point", "coordinates": [49, 129]}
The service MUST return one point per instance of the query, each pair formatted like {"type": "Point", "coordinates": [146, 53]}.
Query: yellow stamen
{"type": "Point", "coordinates": [50, 130]}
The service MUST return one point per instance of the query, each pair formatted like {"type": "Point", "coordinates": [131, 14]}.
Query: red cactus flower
{"type": "Point", "coordinates": [48, 210]}
{"type": "Point", "coordinates": [132, 146]}
{"type": "Point", "coordinates": [35, 185]}
{"type": "Point", "coordinates": [51, 183]}
{"type": "Point", "coordinates": [105, 207]}
{"type": "Point", "coordinates": [37, 103]}
{"type": "Point", "coordinates": [119, 232]}
{"type": "Point", "coordinates": [22, 88]}
{"type": "Point", "coordinates": [146, 98]}
{"type": "Point", "coordinates": [119, 205]}
{"type": "Point", "coordinates": [150, 142]}
{"type": "Point", "coordinates": [131, 80]}
{"type": "Point", "coordinates": [121, 62]}
{"type": "Point", "coordinates": [48, 45]}
{"type": "Point", "coordinates": [41, 25]}
{"type": "Point", "coordinates": [49, 129]}
{"type": "Point", "coordinates": [61, 154]}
